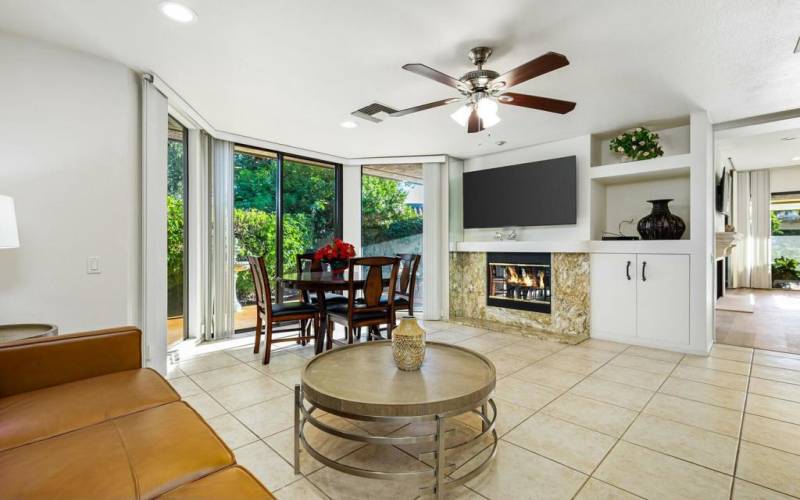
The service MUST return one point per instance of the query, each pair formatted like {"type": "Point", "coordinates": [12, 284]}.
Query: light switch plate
{"type": "Point", "coordinates": [93, 265]}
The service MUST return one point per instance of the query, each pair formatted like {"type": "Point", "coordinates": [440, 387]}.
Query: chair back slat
{"type": "Point", "coordinates": [261, 282]}
{"type": "Point", "coordinates": [373, 282]}
{"type": "Point", "coordinates": [373, 286]}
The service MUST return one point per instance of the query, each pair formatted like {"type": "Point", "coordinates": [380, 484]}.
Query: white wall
{"type": "Point", "coordinates": [351, 205]}
{"type": "Point", "coordinates": [784, 179]}
{"type": "Point", "coordinates": [69, 155]}
{"type": "Point", "coordinates": [580, 147]}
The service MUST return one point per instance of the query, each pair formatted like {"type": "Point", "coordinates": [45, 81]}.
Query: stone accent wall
{"type": "Point", "coordinates": [568, 322]}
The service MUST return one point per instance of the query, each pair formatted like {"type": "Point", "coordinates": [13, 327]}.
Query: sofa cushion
{"type": "Point", "coordinates": [141, 455]}
{"type": "Point", "coordinates": [40, 414]}
{"type": "Point", "coordinates": [233, 482]}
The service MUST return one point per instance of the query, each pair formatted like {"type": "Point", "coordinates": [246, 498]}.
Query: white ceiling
{"type": "Point", "coordinates": [768, 150]}
{"type": "Point", "coordinates": [289, 71]}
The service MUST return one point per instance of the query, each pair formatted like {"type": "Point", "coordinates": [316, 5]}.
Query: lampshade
{"type": "Point", "coordinates": [462, 115]}
{"type": "Point", "coordinates": [9, 238]}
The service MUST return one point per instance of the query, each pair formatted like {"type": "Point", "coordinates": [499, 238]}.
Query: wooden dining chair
{"type": "Point", "coordinates": [406, 284]}
{"type": "Point", "coordinates": [269, 313]}
{"type": "Point", "coordinates": [368, 311]}
{"type": "Point", "coordinates": [307, 263]}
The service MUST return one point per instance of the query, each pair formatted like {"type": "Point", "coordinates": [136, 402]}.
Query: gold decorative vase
{"type": "Point", "coordinates": [408, 344]}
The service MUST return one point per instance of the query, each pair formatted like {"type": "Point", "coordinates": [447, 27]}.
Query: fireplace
{"type": "Point", "coordinates": [519, 281]}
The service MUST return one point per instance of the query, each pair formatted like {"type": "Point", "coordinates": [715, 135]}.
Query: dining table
{"type": "Point", "coordinates": [319, 282]}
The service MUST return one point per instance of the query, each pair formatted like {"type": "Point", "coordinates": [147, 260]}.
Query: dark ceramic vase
{"type": "Point", "coordinates": [661, 224]}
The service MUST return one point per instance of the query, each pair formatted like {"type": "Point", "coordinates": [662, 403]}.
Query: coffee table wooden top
{"type": "Point", "coordinates": [362, 380]}
{"type": "Point", "coordinates": [21, 331]}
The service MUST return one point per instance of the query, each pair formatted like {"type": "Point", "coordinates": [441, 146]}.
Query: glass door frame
{"type": "Point", "coordinates": [279, 208]}
{"type": "Point", "coordinates": [185, 258]}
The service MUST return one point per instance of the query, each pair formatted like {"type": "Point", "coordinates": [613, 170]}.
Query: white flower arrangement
{"type": "Point", "coordinates": [638, 144]}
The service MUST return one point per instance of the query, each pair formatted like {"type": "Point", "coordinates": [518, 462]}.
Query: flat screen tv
{"type": "Point", "coordinates": [540, 193]}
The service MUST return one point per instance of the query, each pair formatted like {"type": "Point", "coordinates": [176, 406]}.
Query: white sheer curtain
{"type": "Point", "coordinates": [761, 230]}
{"type": "Point", "coordinates": [154, 225]}
{"type": "Point", "coordinates": [751, 257]}
{"type": "Point", "coordinates": [221, 252]}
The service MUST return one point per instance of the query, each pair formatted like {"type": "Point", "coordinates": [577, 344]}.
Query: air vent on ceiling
{"type": "Point", "coordinates": [369, 112]}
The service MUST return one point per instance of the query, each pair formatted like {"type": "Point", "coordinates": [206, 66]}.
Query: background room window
{"type": "Point", "coordinates": [255, 183]}
{"type": "Point", "coordinates": [176, 231]}
{"type": "Point", "coordinates": [392, 213]}
{"type": "Point", "coordinates": [785, 240]}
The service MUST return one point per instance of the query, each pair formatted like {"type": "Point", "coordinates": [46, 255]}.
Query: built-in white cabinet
{"type": "Point", "coordinates": [641, 298]}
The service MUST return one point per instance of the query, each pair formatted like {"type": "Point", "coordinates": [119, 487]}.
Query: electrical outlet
{"type": "Point", "coordinates": [93, 265]}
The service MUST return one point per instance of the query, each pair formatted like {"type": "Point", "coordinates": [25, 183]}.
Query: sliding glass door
{"type": "Point", "coordinates": [283, 206]}
{"type": "Point", "coordinates": [309, 209]}
{"type": "Point", "coordinates": [177, 162]}
{"type": "Point", "coordinates": [255, 183]}
{"type": "Point", "coordinates": [392, 213]}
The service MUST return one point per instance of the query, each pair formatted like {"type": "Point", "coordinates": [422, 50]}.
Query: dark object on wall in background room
{"type": "Point", "coordinates": [661, 224]}
{"type": "Point", "coordinates": [539, 193]}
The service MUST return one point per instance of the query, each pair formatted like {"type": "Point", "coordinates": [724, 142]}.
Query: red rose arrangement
{"type": "Point", "coordinates": [336, 254]}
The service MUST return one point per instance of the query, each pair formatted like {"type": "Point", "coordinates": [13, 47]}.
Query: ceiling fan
{"type": "Point", "coordinates": [482, 89]}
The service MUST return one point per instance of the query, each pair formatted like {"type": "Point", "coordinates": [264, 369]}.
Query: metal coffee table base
{"type": "Point", "coordinates": [438, 474]}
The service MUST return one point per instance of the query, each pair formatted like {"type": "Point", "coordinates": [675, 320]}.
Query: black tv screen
{"type": "Point", "coordinates": [540, 193]}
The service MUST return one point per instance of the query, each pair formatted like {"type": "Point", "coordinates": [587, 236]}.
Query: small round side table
{"type": "Point", "coordinates": [12, 332]}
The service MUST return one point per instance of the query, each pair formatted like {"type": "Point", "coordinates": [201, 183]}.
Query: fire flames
{"type": "Point", "coordinates": [533, 280]}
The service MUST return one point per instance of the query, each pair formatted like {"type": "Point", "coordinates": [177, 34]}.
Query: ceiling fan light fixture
{"type": "Point", "coordinates": [490, 120]}
{"type": "Point", "coordinates": [461, 115]}
{"type": "Point", "coordinates": [487, 107]}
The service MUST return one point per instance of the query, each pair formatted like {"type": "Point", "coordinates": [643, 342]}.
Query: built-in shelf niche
{"type": "Point", "coordinates": [613, 203]}
{"type": "Point", "coordinates": [673, 137]}
{"type": "Point", "coordinates": [620, 190]}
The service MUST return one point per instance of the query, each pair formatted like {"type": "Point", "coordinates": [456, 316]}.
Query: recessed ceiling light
{"type": "Point", "coordinates": [796, 158]}
{"type": "Point", "coordinates": [178, 12]}
{"type": "Point", "coordinates": [349, 124]}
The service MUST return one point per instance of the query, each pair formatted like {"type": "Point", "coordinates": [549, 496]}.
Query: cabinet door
{"type": "Point", "coordinates": [613, 295]}
{"type": "Point", "coordinates": [663, 298]}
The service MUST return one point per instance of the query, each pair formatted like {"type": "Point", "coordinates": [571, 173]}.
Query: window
{"type": "Point", "coordinates": [255, 182]}
{"type": "Point", "coordinates": [269, 187]}
{"type": "Point", "coordinates": [785, 241]}
{"type": "Point", "coordinates": [176, 231]}
{"type": "Point", "coordinates": [392, 213]}
{"type": "Point", "coordinates": [309, 209]}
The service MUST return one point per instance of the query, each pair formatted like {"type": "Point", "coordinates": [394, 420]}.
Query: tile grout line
{"type": "Point", "coordinates": [741, 429]}
{"type": "Point", "coordinates": [639, 413]}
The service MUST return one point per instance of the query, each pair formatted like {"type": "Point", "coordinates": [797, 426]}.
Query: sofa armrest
{"type": "Point", "coordinates": [27, 365]}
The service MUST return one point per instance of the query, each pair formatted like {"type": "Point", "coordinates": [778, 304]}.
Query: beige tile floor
{"type": "Point", "coordinates": [598, 420]}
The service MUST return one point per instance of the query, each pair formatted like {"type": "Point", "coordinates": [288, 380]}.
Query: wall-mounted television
{"type": "Point", "coordinates": [539, 193]}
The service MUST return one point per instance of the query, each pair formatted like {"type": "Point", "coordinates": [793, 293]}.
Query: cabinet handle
{"type": "Point", "coordinates": [628, 270]}
{"type": "Point", "coordinates": [644, 276]}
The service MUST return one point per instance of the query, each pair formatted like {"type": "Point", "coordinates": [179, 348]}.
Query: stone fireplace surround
{"type": "Point", "coordinates": [568, 321]}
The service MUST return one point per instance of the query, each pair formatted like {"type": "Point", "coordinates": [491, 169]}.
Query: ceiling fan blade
{"type": "Point", "coordinates": [433, 74]}
{"type": "Point", "coordinates": [531, 69]}
{"type": "Point", "coordinates": [536, 102]}
{"type": "Point", "coordinates": [474, 124]}
{"type": "Point", "coordinates": [423, 107]}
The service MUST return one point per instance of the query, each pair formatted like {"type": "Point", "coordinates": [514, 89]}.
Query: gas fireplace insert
{"type": "Point", "coordinates": [519, 281]}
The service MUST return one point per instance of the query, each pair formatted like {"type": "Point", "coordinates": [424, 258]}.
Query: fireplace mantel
{"type": "Point", "coordinates": [578, 246]}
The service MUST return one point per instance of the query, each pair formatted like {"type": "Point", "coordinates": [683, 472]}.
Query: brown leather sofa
{"type": "Point", "coordinates": [81, 418]}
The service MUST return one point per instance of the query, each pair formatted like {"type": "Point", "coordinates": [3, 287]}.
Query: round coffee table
{"type": "Point", "coordinates": [361, 382]}
{"type": "Point", "coordinates": [21, 331]}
